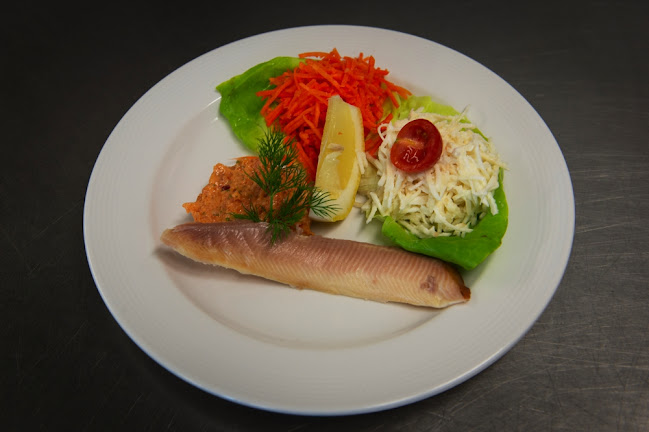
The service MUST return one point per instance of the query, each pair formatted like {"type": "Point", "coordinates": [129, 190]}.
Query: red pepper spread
{"type": "Point", "coordinates": [230, 190]}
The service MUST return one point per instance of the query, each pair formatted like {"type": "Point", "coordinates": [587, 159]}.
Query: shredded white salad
{"type": "Point", "coordinates": [447, 199]}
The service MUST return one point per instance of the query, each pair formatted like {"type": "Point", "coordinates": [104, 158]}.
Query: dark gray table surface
{"type": "Point", "coordinates": [69, 74]}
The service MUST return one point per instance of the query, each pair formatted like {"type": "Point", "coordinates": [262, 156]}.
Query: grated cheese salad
{"type": "Point", "coordinates": [449, 198]}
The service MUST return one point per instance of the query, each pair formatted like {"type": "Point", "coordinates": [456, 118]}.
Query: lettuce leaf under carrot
{"type": "Point", "coordinates": [240, 104]}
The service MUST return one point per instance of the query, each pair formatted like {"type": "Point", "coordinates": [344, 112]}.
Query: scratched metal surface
{"type": "Point", "coordinates": [69, 75]}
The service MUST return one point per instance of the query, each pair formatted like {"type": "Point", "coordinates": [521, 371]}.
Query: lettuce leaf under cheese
{"type": "Point", "coordinates": [474, 247]}
{"type": "Point", "coordinates": [240, 104]}
{"type": "Point", "coordinates": [467, 251]}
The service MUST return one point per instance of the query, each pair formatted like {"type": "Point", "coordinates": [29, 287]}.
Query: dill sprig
{"type": "Point", "coordinates": [280, 171]}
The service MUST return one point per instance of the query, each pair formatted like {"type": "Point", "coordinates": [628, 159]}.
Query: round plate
{"type": "Point", "coordinates": [267, 345]}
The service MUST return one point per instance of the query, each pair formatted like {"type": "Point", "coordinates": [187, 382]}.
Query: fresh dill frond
{"type": "Point", "coordinates": [279, 171]}
{"type": "Point", "coordinates": [251, 213]}
{"type": "Point", "coordinates": [321, 204]}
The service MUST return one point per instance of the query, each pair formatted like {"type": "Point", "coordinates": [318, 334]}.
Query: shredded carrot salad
{"type": "Point", "coordinates": [298, 102]}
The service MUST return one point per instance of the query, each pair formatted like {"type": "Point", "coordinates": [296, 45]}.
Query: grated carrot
{"type": "Point", "coordinates": [298, 102]}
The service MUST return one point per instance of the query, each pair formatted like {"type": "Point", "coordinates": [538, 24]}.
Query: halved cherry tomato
{"type": "Point", "coordinates": [418, 146]}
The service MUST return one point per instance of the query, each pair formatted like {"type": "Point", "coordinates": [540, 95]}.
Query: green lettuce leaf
{"type": "Point", "coordinates": [467, 251]}
{"type": "Point", "coordinates": [425, 103]}
{"type": "Point", "coordinates": [474, 247]}
{"type": "Point", "coordinates": [240, 104]}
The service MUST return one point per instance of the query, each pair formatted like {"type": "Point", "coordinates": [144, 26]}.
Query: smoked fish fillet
{"type": "Point", "coordinates": [335, 266]}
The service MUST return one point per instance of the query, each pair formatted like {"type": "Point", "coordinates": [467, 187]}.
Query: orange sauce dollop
{"type": "Point", "coordinates": [230, 190]}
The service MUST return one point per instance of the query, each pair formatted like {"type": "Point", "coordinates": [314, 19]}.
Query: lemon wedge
{"type": "Point", "coordinates": [338, 171]}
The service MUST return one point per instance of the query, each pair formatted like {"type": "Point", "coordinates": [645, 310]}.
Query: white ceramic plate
{"type": "Point", "coordinates": [269, 346]}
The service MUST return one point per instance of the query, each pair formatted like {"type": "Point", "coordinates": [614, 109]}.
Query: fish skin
{"type": "Point", "coordinates": [335, 266]}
